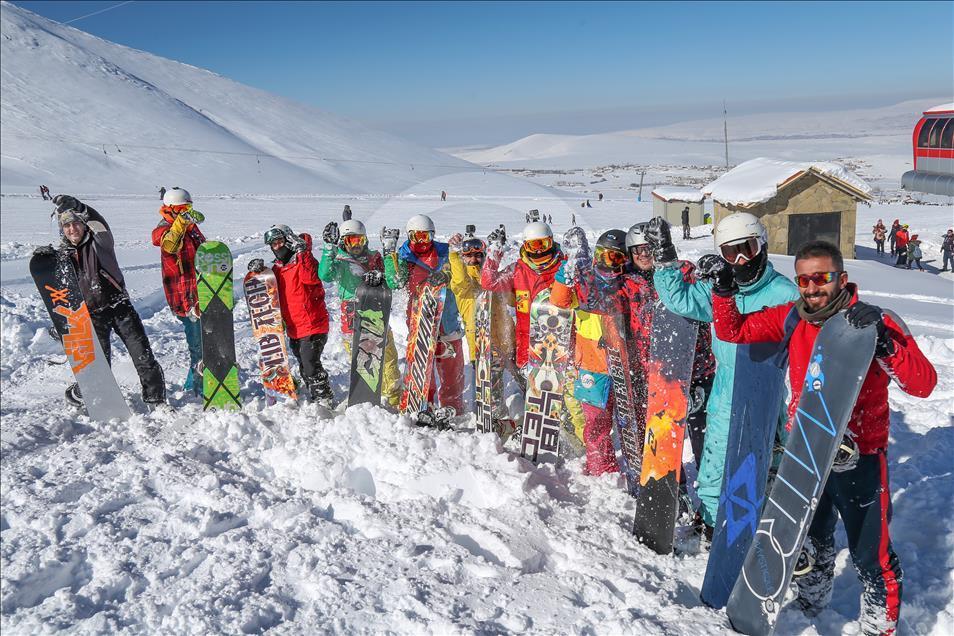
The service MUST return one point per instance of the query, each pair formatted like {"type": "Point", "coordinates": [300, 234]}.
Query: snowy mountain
{"type": "Point", "coordinates": [877, 132]}
{"type": "Point", "coordinates": [86, 115]}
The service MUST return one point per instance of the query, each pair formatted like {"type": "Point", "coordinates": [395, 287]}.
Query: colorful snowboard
{"type": "Point", "coordinates": [756, 403]}
{"type": "Point", "coordinates": [56, 281]}
{"type": "Point", "coordinates": [630, 431]}
{"type": "Point", "coordinates": [265, 314]}
{"type": "Point", "coordinates": [550, 331]}
{"type": "Point", "coordinates": [668, 373]}
{"type": "Point", "coordinates": [372, 311]}
{"type": "Point", "coordinates": [488, 376]}
{"type": "Point", "coordinates": [220, 383]}
{"type": "Point", "coordinates": [421, 345]}
{"type": "Point", "coordinates": [839, 363]}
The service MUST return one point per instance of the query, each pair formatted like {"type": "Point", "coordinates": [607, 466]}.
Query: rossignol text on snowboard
{"type": "Point", "coordinates": [551, 328]}
{"type": "Point", "coordinates": [372, 311]}
{"type": "Point", "coordinates": [630, 431]}
{"type": "Point", "coordinates": [55, 278]}
{"type": "Point", "coordinates": [668, 373]}
{"type": "Point", "coordinates": [840, 359]}
{"type": "Point", "coordinates": [421, 345]}
{"type": "Point", "coordinates": [265, 314]}
{"type": "Point", "coordinates": [757, 395]}
{"type": "Point", "coordinates": [220, 383]}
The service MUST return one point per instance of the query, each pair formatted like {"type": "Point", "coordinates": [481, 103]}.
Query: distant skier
{"type": "Point", "coordinates": [947, 250]}
{"type": "Point", "coordinates": [45, 193]}
{"type": "Point", "coordinates": [879, 233]}
{"type": "Point", "coordinates": [443, 195]}
{"type": "Point", "coordinates": [858, 489]}
{"type": "Point", "coordinates": [901, 239]}
{"type": "Point", "coordinates": [914, 252]}
{"type": "Point", "coordinates": [742, 240]}
{"type": "Point", "coordinates": [89, 244]}
{"type": "Point", "coordinates": [346, 213]}
{"type": "Point", "coordinates": [685, 223]}
{"type": "Point", "coordinates": [893, 236]}
{"type": "Point", "coordinates": [302, 299]}
{"type": "Point", "coordinates": [346, 261]}
{"type": "Point", "coordinates": [162, 193]}
{"type": "Point", "coordinates": [601, 196]}
{"type": "Point", "coordinates": [178, 236]}
{"type": "Point", "coordinates": [420, 258]}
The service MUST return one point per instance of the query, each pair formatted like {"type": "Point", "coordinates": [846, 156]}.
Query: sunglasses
{"type": "Point", "coordinates": [419, 236]}
{"type": "Point", "coordinates": [641, 250]}
{"type": "Point", "coordinates": [354, 240]}
{"type": "Point", "coordinates": [538, 245]}
{"type": "Point", "coordinates": [819, 278]}
{"type": "Point", "coordinates": [609, 257]}
{"type": "Point", "coordinates": [748, 248]}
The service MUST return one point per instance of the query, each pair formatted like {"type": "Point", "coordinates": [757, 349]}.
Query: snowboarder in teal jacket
{"type": "Point", "coordinates": [743, 241]}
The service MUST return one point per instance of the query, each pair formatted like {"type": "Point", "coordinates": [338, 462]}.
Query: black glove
{"type": "Point", "coordinates": [659, 238]}
{"type": "Point", "coordinates": [713, 267]}
{"type": "Point", "coordinates": [861, 315]}
{"type": "Point", "coordinates": [438, 277]}
{"type": "Point", "coordinates": [498, 236]}
{"type": "Point", "coordinates": [44, 250]}
{"type": "Point", "coordinates": [65, 202]}
{"type": "Point", "coordinates": [331, 234]}
{"type": "Point", "coordinates": [256, 265]}
{"type": "Point", "coordinates": [374, 278]}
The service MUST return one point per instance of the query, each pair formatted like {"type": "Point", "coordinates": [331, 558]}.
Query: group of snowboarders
{"type": "Point", "coordinates": [734, 297]}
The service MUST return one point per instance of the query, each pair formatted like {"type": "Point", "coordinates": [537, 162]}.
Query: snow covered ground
{"type": "Point", "coordinates": [357, 523]}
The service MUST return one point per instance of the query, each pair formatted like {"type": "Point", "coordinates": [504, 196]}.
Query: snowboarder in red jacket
{"type": "Point", "coordinates": [302, 299]}
{"type": "Point", "coordinates": [857, 488]}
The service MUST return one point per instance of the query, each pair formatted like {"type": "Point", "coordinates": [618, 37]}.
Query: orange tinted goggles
{"type": "Point", "coordinates": [610, 257]}
{"type": "Point", "coordinates": [539, 245]}
{"type": "Point", "coordinates": [178, 209]}
{"type": "Point", "coordinates": [419, 236]}
{"type": "Point", "coordinates": [354, 240]}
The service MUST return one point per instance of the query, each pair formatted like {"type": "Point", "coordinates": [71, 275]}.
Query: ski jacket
{"type": "Point", "coordinates": [914, 249]}
{"type": "Point", "coordinates": [901, 239]}
{"type": "Point", "coordinates": [947, 246]}
{"type": "Point", "coordinates": [97, 269]}
{"type": "Point", "coordinates": [879, 232]}
{"type": "Point", "coordinates": [178, 265]}
{"type": "Point", "coordinates": [347, 272]}
{"type": "Point", "coordinates": [465, 283]}
{"type": "Point", "coordinates": [404, 269]}
{"type": "Point", "coordinates": [301, 294]}
{"type": "Point", "coordinates": [870, 417]}
{"type": "Point", "coordinates": [523, 281]}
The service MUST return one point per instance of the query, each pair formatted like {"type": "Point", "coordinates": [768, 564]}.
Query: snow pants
{"type": "Point", "coordinates": [879, 246]}
{"type": "Point", "coordinates": [308, 351]}
{"type": "Point", "coordinates": [948, 260]}
{"type": "Point", "coordinates": [862, 498]}
{"type": "Point", "coordinates": [123, 319]}
{"type": "Point", "coordinates": [193, 334]}
{"type": "Point", "coordinates": [450, 373]}
{"type": "Point", "coordinates": [390, 376]}
{"type": "Point", "coordinates": [902, 257]}
{"type": "Point", "coordinates": [597, 438]}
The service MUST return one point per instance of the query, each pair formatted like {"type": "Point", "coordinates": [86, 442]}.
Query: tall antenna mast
{"type": "Point", "coordinates": [725, 129]}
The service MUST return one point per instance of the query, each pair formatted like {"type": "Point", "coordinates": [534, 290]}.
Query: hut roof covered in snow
{"type": "Point", "coordinates": [679, 193]}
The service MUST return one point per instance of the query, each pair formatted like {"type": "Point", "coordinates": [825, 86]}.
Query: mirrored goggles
{"type": "Point", "coordinates": [472, 247]}
{"type": "Point", "coordinates": [641, 250]}
{"type": "Point", "coordinates": [538, 245]}
{"type": "Point", "coordinates": [609, 257]}
{"type": "Point", "coordinates": [819, 278]}
{"type": "Point", "coordinates": [273, 234]}
{"type": "Point", "coordinates": [419, 236]}
{"type": "Point", "coordinates": [354, 240]}
{"type": "Point", "coordinates": [749, 248]}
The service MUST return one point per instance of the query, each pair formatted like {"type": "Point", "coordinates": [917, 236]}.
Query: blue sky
{"type": "Point", "coordinates": [472, 73]}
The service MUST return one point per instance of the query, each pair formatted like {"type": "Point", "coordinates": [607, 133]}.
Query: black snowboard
{"type": "Point", "coordinates": [839, 363]}
{"type": "Point", "coordinates": [372, 310]}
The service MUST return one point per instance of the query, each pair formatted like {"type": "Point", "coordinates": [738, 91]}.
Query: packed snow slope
{"type": "Point", "coordinates": [294, 520]}
{"type": "Point", "coordinates": [86, 115]}
{"type": "Point", "coordinates": [881, 133]}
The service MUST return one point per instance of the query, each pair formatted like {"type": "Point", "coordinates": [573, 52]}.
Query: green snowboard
{"type": "Point", "coordinates": [220, 383]}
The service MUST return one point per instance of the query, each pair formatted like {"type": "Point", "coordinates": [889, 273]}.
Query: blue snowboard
{"type": "Point", "coordinates": [756, 404]}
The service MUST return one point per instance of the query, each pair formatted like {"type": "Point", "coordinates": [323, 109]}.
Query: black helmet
{"type": "Point", "coordinates": [613, 239]}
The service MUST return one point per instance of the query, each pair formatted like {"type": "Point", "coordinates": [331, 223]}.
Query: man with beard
{"type": "Point", "coordinates": [857, 488]}
{"type": "Point", "coordinates": [742, 240]}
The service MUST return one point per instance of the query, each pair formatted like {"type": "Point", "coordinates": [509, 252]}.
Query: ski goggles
{"type": "Point", "coordinates": [641, 250]}
{"type": "Point", "coordinates": [472, 247]}
{"type": "Point", "coordinates": [354, 240]}
{"type": "Point", "coordinates": [609, 257]}
{"type": "Point", "coordinates": [819, 278]}
{"type": "Point", "coordinates": [538, 245]}
{"type": "Point", "coordinates": [749, 249]}
{"type": "Point", "coordinates": [419, 236]}
{"type": "Point", "coordinates": [273, 234]}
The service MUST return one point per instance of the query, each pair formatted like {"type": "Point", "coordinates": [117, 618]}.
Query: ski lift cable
{"type": "Point", "coordinates": [89, 15]}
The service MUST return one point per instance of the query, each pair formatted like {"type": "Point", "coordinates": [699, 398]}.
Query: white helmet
{"type": "Point", "coordinates": [420, 222]}
{"type": "Point", "coordinates": [176, 196]}
{"type": "Point", "coordinates": [738, 227]}
{"type": "Point", "coordinates": [352, 227]}
{"type": "Point", "coordinates": [537, 230]}
{"type": "Point", "coordinates": [635, 236]}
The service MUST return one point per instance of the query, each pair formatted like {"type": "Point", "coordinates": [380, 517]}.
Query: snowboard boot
{"type": "Point", "coordinates": [439, 418]}
{"type": "Point", "coordinates": [815, 585]}
{"type": "Point", "coordinates": [319, 388]}
{"type": "Point", "coordinates": [73, 395]}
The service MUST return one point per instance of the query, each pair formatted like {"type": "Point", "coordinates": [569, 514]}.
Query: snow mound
{"type": "Point", "coordinates": [758, 180]}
